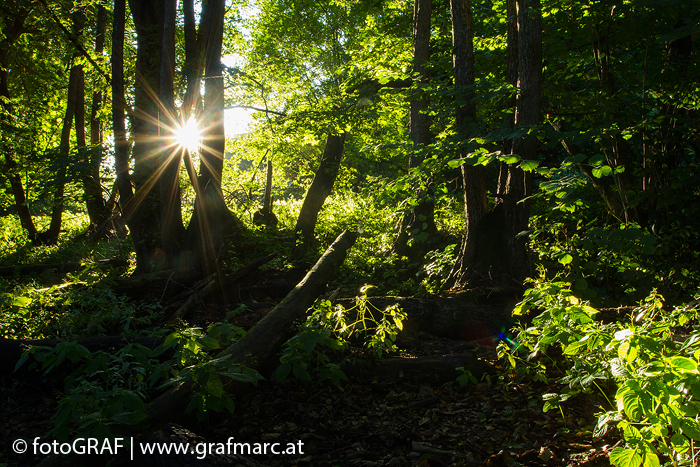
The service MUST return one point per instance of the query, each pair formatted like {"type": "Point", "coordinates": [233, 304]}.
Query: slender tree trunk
{"type": "Point", "coordinates": [620, 149]}
{"type": "Point", "coordinates": [96, 207]}
{"type": "Point", "coordinates": [511, 79]}
{"type": "Point", "coordinates": [193, 63]}
{"type": "Point", "coordinates": [121, 146]}
{"type": "Point", "coordinates": [51, 235]}
{"type": "Point", "coordinates": [319, 190]}
{"type": "Point", "coordinates": [420, 222]}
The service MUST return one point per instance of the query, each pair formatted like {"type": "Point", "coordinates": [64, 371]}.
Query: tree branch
{"type": "Point", "coordinates": [257, 109]}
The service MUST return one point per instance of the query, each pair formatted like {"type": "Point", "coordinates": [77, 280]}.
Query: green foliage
{"type": "Point", "coordinates": [651, 358]}
{"type": "Point", "coordinates": [104, 389]}
{"type": "Point", "coordinates": [466, 377]}
{"type": "Point", "coordinates": [328, 328]}
{"type": "Point", "coordinates": [210, 375]}
{"type": "Point", "coordinates": [71, 310]}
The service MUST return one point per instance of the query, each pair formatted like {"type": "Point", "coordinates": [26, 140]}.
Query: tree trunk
{"type": "Point", "coordinates": [121, 146]}
{"type": "Point", "coordinates": [211, 219]}
{"type": "Point", "coordinates": [96, 207]}
{"type": "Point", "coordinates": [258, 346]}
{"type": "Point", "coordinates": [512, 80]}
{"type": "Point", "coordinates": [12, 32]}
{"type": "Point", "coordinates": [418, 226]}
{"type": "Point", "coordinates": [265, 216]}
{"type": "Point", "coordinates": [145, 208]}
{"type": "Point", "coordinates": [172, 229]}
{"type": "Point", "coordinates": [319, 190]}
{"type": "Point", "coordinates": [527, 114]}
{"type": "Point", "coordinates": [475, 201]}
{"type": "Point", "coordinates": [51, 236]}
{"type": "Point", "coordinates": [192, 68]}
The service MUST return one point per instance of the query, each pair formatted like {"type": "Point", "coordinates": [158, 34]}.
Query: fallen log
{"type": "Point", "coordinates": [11, 349]}
{"type": "Point", "coordinates": [258, 346]}
{"type": "Point", "coordinates": [61, 267]}
{"type": "Point", "coordinates": [205, 292]}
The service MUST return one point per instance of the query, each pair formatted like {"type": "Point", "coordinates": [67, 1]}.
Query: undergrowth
{"type": "Point", "coordinates": [645, 366]}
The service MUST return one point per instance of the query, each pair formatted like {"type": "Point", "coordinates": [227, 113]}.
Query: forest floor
{"type": "Point", "coordinates": [370, 420]}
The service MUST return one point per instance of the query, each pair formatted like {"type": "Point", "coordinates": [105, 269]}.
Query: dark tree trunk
{"type": "Point", "coordinates": [512, 80]}
{"type": "Point", "coordinates": [145, 207]}
{"type": "Point", "coordinates": [265, 216]}
{"type": "Point", "coordinates": [410, 242]}
{"type": "Point", "coordinates": [520, 183]}
{"type": "Point", "coordinates": [96, 207]}
{"type": "Point", "coordinates": [211, 219]}
{"type": "Point", "coordinates": [12, 32]}
{"type": "Point", "coordinates": [121, 146]}
{"type": "Point", "coordinates": [475, 201]}
{"type": "Point", "coordinates": [193, 63]}
{"type": "Point", "coordinates": [172, 229]}
{"type": "Point", "coordinates": [319, 190]}
{"type": "Point", "coordinates": [618, 145]}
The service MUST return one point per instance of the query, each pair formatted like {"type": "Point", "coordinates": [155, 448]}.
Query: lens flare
{"type": "Point", "coordinates": [188, 135]}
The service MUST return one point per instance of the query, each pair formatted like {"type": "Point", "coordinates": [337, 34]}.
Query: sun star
{"type": "Point", "coordinates": [188, 135]}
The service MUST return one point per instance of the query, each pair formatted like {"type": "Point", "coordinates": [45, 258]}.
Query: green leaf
{"type": "Point", "coordinates": [129, 418]}
{"type": "Point", "coordinates": [602, 171]}
{"type": "Point", "coordinates": [566, 259]}
{"type": "Point", "coordinates": [680, 443]}
{"type": "Point", "coordinates": [625, 457]}
{"type": "Point", "coordinates": [650, 458]}
{"type": "Point", "coordinates": [691, 429]}
{"type": "Point", "coordinates": [282, 372]}
{"type": "Point", "coordinates": [528, 165]}
{"type": "Point", "coordinates": [214, 386]}
{"type": "Point", "coordinates": [683, 364]}
{"type": "Point", "coordinates": [21, 301]}
{"type": "Point", "coordinates": [510, 159]}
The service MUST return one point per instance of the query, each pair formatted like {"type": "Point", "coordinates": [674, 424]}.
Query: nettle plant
{"type": "Point", "coordinates": [331, 328]}
{"type": "Point", "coordinates": [652, 359]}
